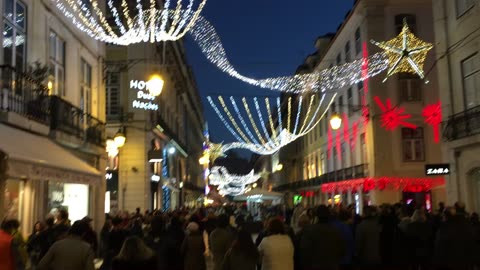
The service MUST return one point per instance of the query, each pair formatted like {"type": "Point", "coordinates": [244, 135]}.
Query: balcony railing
{"type": "Point", "coordinates": [462, 124]}
{"type": "Point", "coordinates": [27, 97]}
{"type": "Point", "coordinates": [354, 172]}
{"type": "Point", "coordinates": [23, 95]}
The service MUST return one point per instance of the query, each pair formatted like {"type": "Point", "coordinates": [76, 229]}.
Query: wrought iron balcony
{"type": "Point", "coordinates": [461, 125]}
{"type": "Point", "coordinates": [22, 95]}
{"type": "Point", "coordinates": [354, 172]}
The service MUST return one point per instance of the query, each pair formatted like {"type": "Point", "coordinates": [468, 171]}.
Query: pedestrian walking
{"type": "Point", "coordinates": [193, 248]}
{"type": "Point", "coordinates": [71, 253]}
{"type": "Point", "coordinates": [135, 255]}
{"type": "Point", "coordinates": [221, 240]}
{"type": "Point", "coordinates": [276, 249]}
{"type": "Point", "coordinates": [243, 255]}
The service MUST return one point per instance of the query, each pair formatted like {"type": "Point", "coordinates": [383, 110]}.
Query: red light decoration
{"type": "Point", "coordinates": [405, 184]}
{"type": "Point", "coordinates": [307, 194]}
{"type": "Point", "coordinates": [393, 117]}
{"type": "Point", "coordinates": [433, 117]}
{"type": "Point", "coordinates": [329, 141]}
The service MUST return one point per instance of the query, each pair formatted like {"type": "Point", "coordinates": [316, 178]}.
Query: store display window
{"type": "Point", "coordinates": [72, 197]}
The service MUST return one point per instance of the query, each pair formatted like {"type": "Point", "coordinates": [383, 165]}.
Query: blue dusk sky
{"type": "Point", "coordinates": [262, 38]}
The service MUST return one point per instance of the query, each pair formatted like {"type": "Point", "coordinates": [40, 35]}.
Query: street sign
{"type": "Point", "coordinates": [437, 169]}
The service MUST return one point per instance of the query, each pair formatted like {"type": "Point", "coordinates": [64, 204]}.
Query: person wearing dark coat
{"type": "Point", "coordinates": [135, 255]}
{"type": "Point", "coordinates": [193, 248]}
{"type": "Point", "coordinates": [176, 235]}
{"type": "Point", "coordinates": [221, 240]}
{"type": "Point", "coordinates": [158, 241]}
{"type": "Point", "coordinates": [345, 230]}
{"type": "Point", "coordinates": [367, 239]}
{"type": "Point", "coordinates": [322, 245]}
{"type": "Point", "coordinates": [454, 242]}
{"type": "Point", "coordinates": [243, 255]}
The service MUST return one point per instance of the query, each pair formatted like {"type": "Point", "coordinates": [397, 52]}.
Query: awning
{"type": "Point", "coordinates": [36, 157]}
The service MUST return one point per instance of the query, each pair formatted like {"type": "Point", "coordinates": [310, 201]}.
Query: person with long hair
{"type": "Point", "coordinates": [243, 255]}
{"type": "Point", "coordinates": [134, 254]}
{"type": "Point", "coordinates": [276, 249]}
{"type": "Point", "coordinates": [34, 243]}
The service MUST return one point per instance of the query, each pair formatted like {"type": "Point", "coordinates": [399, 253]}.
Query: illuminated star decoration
{"type": "Point", "coordinates": [433, 116]}
{"type": "Point", "coordinates": [393, 117]}
{"type": "Point", "coordinates": [405, 53]}
{"type": "Point", "coordinates": [214, 151]}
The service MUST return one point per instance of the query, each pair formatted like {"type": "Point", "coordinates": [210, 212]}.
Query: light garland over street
{"type": "Point", "coordinates": [231, 184]}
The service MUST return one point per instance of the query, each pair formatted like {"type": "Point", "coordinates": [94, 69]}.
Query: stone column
{"type": "Point", "coordinates": [349, 197]}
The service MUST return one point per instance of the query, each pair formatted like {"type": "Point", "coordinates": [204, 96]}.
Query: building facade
{"type": "Point", "coordinates": [158, 166]}
{"type": "Point", "coordinates": [457, 48]}
{"type": "Point", "coordinates": [52, 113]}
{"type": "Point", "coordinates": [362, 162]}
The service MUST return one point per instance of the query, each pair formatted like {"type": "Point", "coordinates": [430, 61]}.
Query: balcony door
{"type": "Point", "coordinates": [85, 89]}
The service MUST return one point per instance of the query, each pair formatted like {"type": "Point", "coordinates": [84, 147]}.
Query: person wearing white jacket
{"type": "Point", "coordinates": [276, 249]}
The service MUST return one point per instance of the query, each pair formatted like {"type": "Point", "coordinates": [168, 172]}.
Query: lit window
{"type": "Point", "coordinates": [413, 144]}
{"type": "Point", "coordinates": [86, 87]}
{"type": "Point", "coordinates": [471, 81]}
{"type": "Point", "coordinates": [56, 64]}
{"type": "Point", "coordinates": [14, 34]}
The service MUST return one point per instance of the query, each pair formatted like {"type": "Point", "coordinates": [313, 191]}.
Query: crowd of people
{"type": "Point", "coordinates": [324, 237]}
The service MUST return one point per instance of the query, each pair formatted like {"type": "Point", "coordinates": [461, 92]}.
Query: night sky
{"type": "Point", "coordinates": [262, 38]}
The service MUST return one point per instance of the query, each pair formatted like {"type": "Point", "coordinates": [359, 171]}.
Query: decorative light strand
{"type": "Point", "coordinates": [149, 25]}
{"type": "Point", "coordinates": [242, 121]}
{"type": "Point", "coordinates": [262, 122]}
{"type": "Point", "coordinates": [270, 119]}
{"type": "Point", "coordinates": [220, 115]}
{"type": "Point", "coordinates": [299, 111]}
{"type": "Point", "coordinates": [252, 121]}
{"type": "Point", "coordinates": [232, 120]}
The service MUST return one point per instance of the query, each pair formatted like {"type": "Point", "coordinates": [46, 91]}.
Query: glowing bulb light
{"type": "Point", "coordinates": [150, 24]}
{"type": "Point", "coordinates": [335, 121]}
{"type": "Point", "coordinates": [155, 85]}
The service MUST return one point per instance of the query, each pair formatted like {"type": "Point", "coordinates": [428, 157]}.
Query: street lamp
{"type": "Point", "coordinates": [279, 167]}
{"type": "Point", "coordinates": [335, 121]}
{"type": "Point", "coordinates": [119, 139]}
{"type": "Point", "coordinates": [155, 85]}
{"type": "Point", "coordinates": [171, 150]}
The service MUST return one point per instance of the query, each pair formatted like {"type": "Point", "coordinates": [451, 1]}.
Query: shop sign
{"type": "Point", "coordinates": [143, 99]}
{"type": "Point", "coordinates": [437, 169]}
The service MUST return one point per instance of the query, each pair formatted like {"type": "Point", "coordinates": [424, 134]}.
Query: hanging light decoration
{"type": "Point", "coordinates": [230, 184]}
{"type": "Point", "coordinates": [142, 24]}
{"type": "Point", "coordinates": [393, 117]}
{"type": "Point", "coordinates": [278, 136]}
{"type": "Point", "coordinates": [405, 53]}
{"type": "Point", "coordinates": [433, 117]}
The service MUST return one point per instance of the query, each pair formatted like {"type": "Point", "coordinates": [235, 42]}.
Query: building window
{"type": "Point", "coordinates": [343, 157]}
{"type": "Point", "coordinates": [14, 34]}
{"type": "Point", "coordinates": [347, 52]}
{"type": "Point", "coordinates": [113, 95]}
{"type": "Point", "coordinates": [361, 94]}
{"type": "Point", "coordinates": [463, 6]}
{"type": "Point", "coordinates": [410, 87]}
{"type": "Point", "coordinates": [471, 81]}
{"type": "Point", "coordinates": [320, 127]}
{"type": "Point", "coordinates": [358, 41]}
{"type": "Point", "coordinates": [411, 21]}
{"type": "Point", "coordinates": [305, 169]}
{"type": "Point", "coordinates": [56, 64]}
{"type": "Point", "coordinates": [349, 101]}
{"type": "Point", "coordinates": [323, 164]}
{"type": "Point", "coordinates": [334, 108]}
{"type": "Point", "coordinates": [85, 87]}
{"type": "Point", "coordinates": [413, 145]}
{"type": "Point", "coordinates": [339, 59]}
{"type": "Point", "coordinates": [363, 145]}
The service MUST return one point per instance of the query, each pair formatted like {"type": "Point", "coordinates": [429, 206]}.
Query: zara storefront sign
{"type": "Point", "coordinates": [437, 169]}
{"type": "Point", "coordinates": [143, 99]}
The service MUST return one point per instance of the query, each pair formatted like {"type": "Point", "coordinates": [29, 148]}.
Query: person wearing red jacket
{"type": "Point", "coordinates": [9, 250]}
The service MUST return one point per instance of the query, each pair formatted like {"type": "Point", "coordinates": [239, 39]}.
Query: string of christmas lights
{"type": "Point", "coordinates": [205, 36]}
{"type": "Point", "coordinates": [230, 184]}
{"type": "Point", "coordinates": [149, 25]}
{"type": "Point", "coordinates": [270, 144]}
